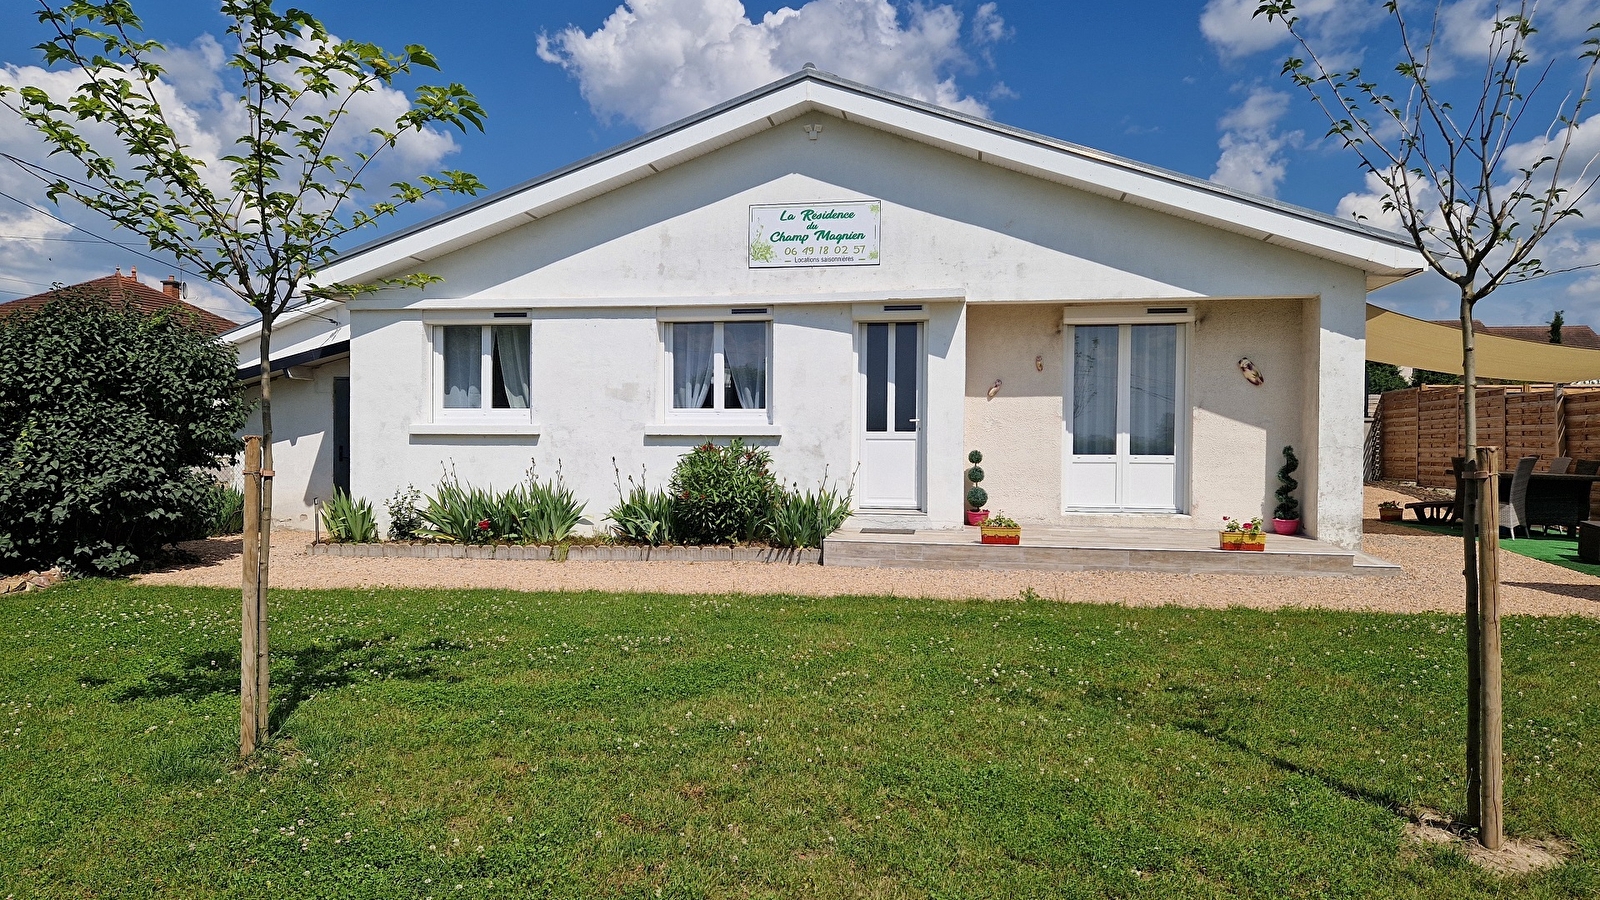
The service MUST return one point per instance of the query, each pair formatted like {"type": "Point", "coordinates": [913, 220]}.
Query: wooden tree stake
{"type": "Point", "coordinates": [1491, 811]}
{"type": "Point", "coordinates": [250, 725]}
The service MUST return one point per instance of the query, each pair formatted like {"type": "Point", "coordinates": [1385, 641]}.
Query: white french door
{"type": "Point", "coordinates": [891, 429]}
{"type": "Point", "coordinates": [1124, 434]}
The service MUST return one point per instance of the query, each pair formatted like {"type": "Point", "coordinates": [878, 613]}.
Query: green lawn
{"type": "Point", "coordinates": [483, 744]}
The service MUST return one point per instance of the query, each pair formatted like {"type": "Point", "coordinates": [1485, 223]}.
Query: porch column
{"type": "Point", "coordinates": [1336, 348]}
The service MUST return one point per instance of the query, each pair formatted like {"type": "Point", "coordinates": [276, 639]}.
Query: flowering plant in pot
{"type": "Point", "coordinates": [1241, 534]}
{"type": "Point", "coordinates": [1390, 511]}
{"type": "Point", "coordinates": [1001, 530]}
{"type": "Point", "coordinates": [976, 496]}
{"type": "Point", "coordinates": [1286, 516]}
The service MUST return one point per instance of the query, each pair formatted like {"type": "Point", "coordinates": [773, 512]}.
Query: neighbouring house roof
{"type": "Point", "coordinates": [1385, 257]}
{"type": "Point", "coordinates": [1436, 346]}
{"type": "Point", "coordinates": [1581, 336]}
{"type": "Point", "coordinates": [119, 290]}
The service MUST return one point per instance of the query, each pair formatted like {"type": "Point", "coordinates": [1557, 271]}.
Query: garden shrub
{"type": "Point", "coordinates": [804, 519]}
{"type": "Point", "coordinates": [227, 510]}
{"type": "Point", "coordinates": [405, 521]}
{"type": "Point", "coordinates": [722, 495]}
{"type": "Point", "coordinates": [348, 520]}
{"type": "Point", "coordinates": [641, 516]}
{"type": "Point", "coordinates": [534, 512]}
{"type": "Point", "coordinates": [110, 421]}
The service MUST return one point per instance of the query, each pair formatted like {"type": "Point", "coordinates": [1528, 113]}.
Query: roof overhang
{"type": "Point", "coordinates": [1384, 257]}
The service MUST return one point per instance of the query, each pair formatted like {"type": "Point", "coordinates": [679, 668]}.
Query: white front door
{"type": "Point", "coordinates": [891, 429]}
{"type": "Point", "coordinates": [1124, 395]}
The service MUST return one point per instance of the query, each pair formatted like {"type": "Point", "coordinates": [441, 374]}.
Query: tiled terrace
{"type": "Point", "coordinates": [1116, 549]}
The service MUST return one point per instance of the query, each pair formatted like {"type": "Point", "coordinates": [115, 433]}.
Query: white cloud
{"type": "Point", "coordinates": [1252, 147]}
{"type": "Point", "coordinates": [199, 99]}
{"type": "Point", "coordinates": [654, 61]}
{"type": "Point", "coordinates": [1235, 31]}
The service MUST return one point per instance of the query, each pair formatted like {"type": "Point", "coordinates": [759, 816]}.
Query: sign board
{"type": "Point", "coordinates": [814, 234]}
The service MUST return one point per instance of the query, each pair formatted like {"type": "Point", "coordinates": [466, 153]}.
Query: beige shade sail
{"type": "Point", "coordinates": [1404, 341]}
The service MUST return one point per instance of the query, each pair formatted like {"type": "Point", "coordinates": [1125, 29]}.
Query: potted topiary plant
{"type": "Point", "coordinates": [1238, 534]}
{"type": "Point", "coordinates": [1390, 511]}
{"type": "Point", "coordinates": [1001, 530]}
{"type": "Point", "coordinates": [976, 496]}
{"type": "Point", "coordinates": [1286, 516]}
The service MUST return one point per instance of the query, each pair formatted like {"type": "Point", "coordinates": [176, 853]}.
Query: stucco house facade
{"type": "Point", "coordinates": [872, 287]}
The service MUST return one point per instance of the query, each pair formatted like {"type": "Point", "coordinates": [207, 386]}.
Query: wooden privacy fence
{"type": "Point", "coordinates": [1418, 431]}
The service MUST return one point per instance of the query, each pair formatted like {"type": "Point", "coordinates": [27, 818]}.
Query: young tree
{"type": "Point", "coordinates": [1556, 322]}
{"type": "Point", "coordinates": [1453, 176]}
{"type": "Point", "coordinates": [262, 219]}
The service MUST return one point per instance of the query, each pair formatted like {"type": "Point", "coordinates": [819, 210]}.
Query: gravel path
{"type": "Point", "coordinates": [1432, 579]}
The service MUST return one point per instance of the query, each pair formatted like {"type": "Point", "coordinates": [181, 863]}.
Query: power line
{"type": "Point", "coordinates": [105, 240]}
{"type": "Point", "coordinates": [60, 240]}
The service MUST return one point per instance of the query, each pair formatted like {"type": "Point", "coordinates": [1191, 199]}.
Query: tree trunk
{"type": "Point", "coordinates": [264, 538]}
{"type": "Point", "coordinates": [1469, 553]}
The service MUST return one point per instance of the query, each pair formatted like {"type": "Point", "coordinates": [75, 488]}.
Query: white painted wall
{"type": "Point", "coordinates": [594, 276]}
{"type": "Point", "coordinates": [302, 445]}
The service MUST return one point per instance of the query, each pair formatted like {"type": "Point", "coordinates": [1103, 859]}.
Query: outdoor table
{"type": "Point", "coordinates": [1554, 499]}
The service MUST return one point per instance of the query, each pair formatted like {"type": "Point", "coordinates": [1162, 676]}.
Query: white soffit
{"type": "Point", "coordinates": [1385, 257]}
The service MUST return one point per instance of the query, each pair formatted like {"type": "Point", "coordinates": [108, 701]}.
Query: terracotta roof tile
{"type": "Point", "coordinates": [128, 290]}
{"type": "Point", "coordinates": [1581, 336]}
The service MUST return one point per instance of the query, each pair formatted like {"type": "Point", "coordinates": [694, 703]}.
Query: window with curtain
{"type": "Point", "coordinates": [718, 367]}
{"type": "Point", "coordinates": [486, 367]}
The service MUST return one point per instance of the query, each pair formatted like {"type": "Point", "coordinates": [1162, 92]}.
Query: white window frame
{"type": "Point", "coordinates": [717, 414]}
{"type": "Point", "coordinates": [1182, 316]}
{"type": "Point", "coordinates": [486, 373]}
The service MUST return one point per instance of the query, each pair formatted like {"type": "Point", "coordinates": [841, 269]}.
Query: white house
{"type": "Point", "coordinates": [871, 286]}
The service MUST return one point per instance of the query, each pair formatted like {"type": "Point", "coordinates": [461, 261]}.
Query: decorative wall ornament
{"type": "Point", "coordinates": [1251, 373]}
{"type": "Point", "coordinates": [995, 389]}
{"type": "Point", "coordinates": [1038, 364]}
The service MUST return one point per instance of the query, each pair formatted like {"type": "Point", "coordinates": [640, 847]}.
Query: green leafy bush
{"type": "Point", "coordinates": [227, 510]}
{"type": "Point", "coordinates": [722, 495]}
{"type": "Point", "coordinates": [534, 512]}
{"type": "Point", "coordinates": [110, 420]}
{"type": "Point", "coordinates": [977, 497]}
{"type": "Point", "coordinates": [804, 519]}
{"type": "Point", "coordinates": [462, 514]}
{"type": "Point", "coordinates": [405, 521]}
{"type": "Point", "coordinates": [348, 520]}
{"type": "Point", "coordinates": [641, 516]}
{"type": "Point", "coordinates": [542, 512]}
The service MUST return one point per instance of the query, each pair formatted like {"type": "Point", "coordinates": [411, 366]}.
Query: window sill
{"type": "Point", "coordinates": [713, 429]}
{"type": "Point", "coordinates": [446, 429]}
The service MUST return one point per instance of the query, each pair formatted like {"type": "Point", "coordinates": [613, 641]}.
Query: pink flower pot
{"type": "Point", "coordinates": [1286, 526]}
{"type": "Point", "coordinates": [977, 516]}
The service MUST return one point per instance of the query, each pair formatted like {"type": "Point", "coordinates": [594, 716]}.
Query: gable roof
{"type": "Point", "coordinates": [127, 290]}
{"type": "Point", "coordinates": [1385, 257]}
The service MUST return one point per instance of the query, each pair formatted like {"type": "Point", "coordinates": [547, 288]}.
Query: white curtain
{"type": "Point", "coordinates": [463, 366]}
{"type": "Point", "coordinates": [744, 351]}
{"type": "Point", "coordinates": [1153, 389]}
{"type": "Point", "coordinates": [512, 362]}
{"type": "Point", "coordinates": [691, 364]}
{"type": "Point", "coordinates": [1094, 390]}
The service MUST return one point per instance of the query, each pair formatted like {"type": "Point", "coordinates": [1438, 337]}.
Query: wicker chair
{"type": "Point", "coordinates": [1514, 511]}
{"type": "Point", "coordinates": [1560, 465]}
{"type": "Point", "coordinates": [1586, 467]}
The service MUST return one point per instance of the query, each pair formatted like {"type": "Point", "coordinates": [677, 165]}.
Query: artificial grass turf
{"type": "Point", "coordinates": [1556, 549]}
{"type": "Point", "coordinates": [495, 744]}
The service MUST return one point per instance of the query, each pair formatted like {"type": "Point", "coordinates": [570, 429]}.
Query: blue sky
{"type": "Point", "coordinates": [1191, 86]}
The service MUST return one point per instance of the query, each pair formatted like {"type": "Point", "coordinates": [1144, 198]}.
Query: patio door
{"type": "Point", "coordinates": [891, 429]}
{"type": "Point", "coordinates": [1124, 401]}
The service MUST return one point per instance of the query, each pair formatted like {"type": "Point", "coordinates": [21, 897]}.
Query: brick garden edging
{"type": "Point", "coordinates": [581, 552]}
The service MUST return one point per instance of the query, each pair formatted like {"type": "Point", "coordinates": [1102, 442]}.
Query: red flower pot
{"type": "Point", "coordinates": [977, 516]}
{"type": "Point", "coordinates": [1286, 526]}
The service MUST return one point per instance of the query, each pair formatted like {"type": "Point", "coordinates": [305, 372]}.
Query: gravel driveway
{"type": "Point", "coordinates": [1432, 579]}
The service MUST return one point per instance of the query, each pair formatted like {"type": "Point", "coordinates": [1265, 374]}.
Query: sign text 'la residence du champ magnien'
{"type": "Point", "coordinates": [814, 234]}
